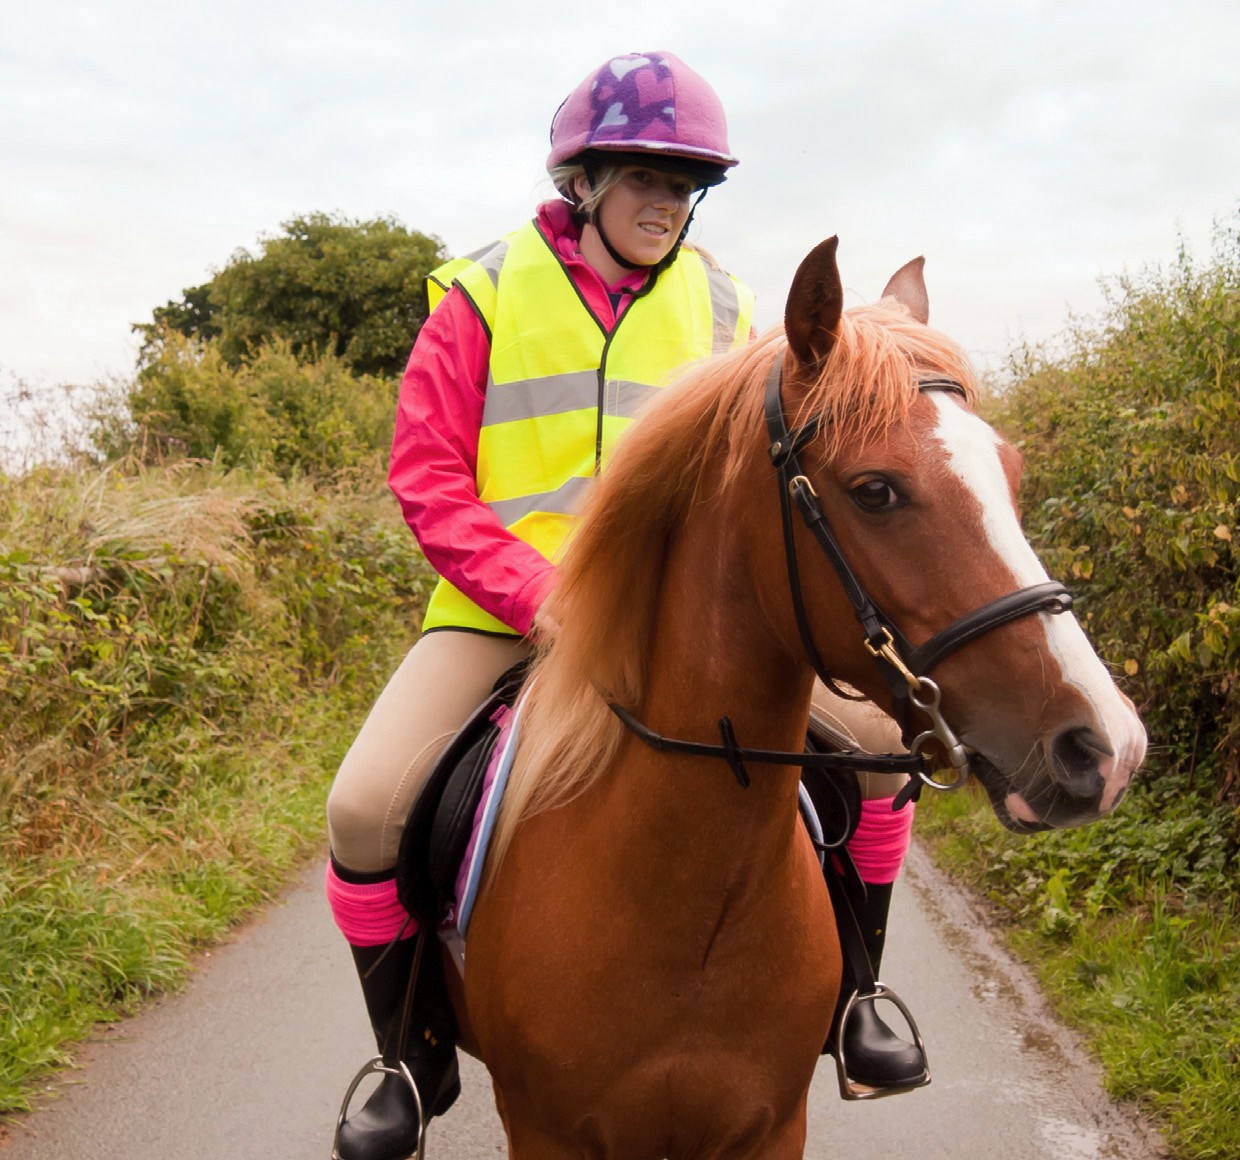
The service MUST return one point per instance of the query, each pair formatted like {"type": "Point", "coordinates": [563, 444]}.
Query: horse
{"type": "Point", "coordinates": [652, 965]}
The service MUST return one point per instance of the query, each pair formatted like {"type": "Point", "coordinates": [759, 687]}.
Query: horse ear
{"type": "Point", "coordinates": [908, 285]}
{"type": "Point", "coordinates": [814, 305]}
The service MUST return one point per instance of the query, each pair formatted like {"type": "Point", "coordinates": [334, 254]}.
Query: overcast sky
{"type": "Point", "coordinates": [1025, 147]}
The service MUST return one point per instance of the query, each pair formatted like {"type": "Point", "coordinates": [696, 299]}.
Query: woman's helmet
{"type": "Point", "coordinates": [651, 104]}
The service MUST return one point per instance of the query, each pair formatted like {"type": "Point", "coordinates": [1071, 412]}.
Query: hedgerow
{"type": "Point", "coordinates": [1131, 433]}
{"type": "Point", "coordinates": [185, 653]}
{"type": "Point", "coordinates": [1132, 481]}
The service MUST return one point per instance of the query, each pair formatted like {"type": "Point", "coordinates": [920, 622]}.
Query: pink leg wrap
{"type": "Point", "coordinates": [881, 841]}
{"type": "Point", "coordinates": [368, 914]}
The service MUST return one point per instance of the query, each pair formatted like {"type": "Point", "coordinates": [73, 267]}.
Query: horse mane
{"type": "Point", "coordinates": [604, 602]}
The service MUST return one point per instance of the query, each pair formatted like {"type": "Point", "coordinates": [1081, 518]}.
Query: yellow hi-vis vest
{"type": "Point", "coordinates": [561, 390]}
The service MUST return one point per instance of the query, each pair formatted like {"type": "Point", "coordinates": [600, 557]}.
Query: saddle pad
{"type": "Point", "coordinates": [809, 815]}
{"type": "Point", "coordinates": [455, 922]}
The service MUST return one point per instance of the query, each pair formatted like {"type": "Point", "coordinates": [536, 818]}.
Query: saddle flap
{"type": "Point", "coordinates": [836, 796]}
{"type": "Point", "coordinates": [424, 878]}
{"type": "Point", "coordinates": [458, 806]}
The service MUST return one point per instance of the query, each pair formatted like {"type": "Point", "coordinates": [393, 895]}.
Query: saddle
{"type": "Point", "coordinates": [441, 822]}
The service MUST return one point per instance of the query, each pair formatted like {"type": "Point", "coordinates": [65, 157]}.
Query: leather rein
{"type": "Point", "coordinates": [903, 666]}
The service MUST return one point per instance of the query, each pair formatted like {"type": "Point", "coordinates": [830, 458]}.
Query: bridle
{"type": "Point", "coordinates": [903, 666]}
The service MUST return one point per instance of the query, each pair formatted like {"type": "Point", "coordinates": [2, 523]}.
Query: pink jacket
{"type": "Point", "coordinates": [435, 445]}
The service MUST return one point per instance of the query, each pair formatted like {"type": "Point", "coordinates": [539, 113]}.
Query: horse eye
{"type": "Point", "coordinates": [875, 495]}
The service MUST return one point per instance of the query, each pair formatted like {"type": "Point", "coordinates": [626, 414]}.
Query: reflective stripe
{"type": "Point", "coordinates": [622, 400]}
{"type": "Point", "coordinates": [576, 391]}
{"type": "Point", "coordinates": [439, 281]}
{"type": "Point", "coordinates": [510, 402]}
{"type": "Point", "coordinates": [480, 281]}
{"type": "Point", "coordinates": [565, 500]}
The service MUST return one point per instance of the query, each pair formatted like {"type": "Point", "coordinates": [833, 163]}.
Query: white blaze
{"type": "Point", "coordinates": [973, 457]}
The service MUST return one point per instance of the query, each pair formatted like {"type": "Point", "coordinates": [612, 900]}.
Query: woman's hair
{"type": "Point", "coordinates": [604, 178]}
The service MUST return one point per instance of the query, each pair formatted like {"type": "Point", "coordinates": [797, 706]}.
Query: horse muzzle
{"type": "Point", "coordinates": [1070, 779]}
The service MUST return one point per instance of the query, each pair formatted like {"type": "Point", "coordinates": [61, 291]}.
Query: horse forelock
{"type": "Point", "coordinates": [869, 381]}
{"type": "Point", "coordinates": [707, 429]}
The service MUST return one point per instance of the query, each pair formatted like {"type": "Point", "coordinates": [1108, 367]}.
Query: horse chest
{"type": "Point", "coordinates": [594, 970]}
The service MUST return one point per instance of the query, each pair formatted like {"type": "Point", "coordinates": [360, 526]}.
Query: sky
{"type": "Point", "coordinates": [1027, 148]}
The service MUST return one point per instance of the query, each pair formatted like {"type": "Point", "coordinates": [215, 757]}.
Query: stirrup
{"type": "Point", "coordinates": [851, 1089]}
{"type": "Point", "coordinates": [377, 1067]}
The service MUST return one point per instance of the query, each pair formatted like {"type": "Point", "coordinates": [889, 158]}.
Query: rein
{"type": "Point", "coordinates": [903, 667]}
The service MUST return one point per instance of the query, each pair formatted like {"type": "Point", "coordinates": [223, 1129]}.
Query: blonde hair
{"type": "Point", "coordinates": [604, 179]}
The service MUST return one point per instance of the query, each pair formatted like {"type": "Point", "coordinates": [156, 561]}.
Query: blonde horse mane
{"type": "Point", "coordinates": [605, 599]}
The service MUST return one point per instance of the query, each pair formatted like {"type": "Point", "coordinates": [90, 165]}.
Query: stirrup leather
{"type": "Point", "coordinates": [852, 1089]}
{"type": "Point", "coordinates": [377, 1067]}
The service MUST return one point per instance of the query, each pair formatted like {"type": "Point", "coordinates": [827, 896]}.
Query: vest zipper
{"type": "Point", "coordinates": [647, 286]}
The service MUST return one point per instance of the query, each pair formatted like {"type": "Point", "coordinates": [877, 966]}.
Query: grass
{"type": "Point", "coordinates": [185, 655]}
{"type": "Point", "coordinates": [1137, 951]}
{"type": "Point", "coordinates": [88, 934]}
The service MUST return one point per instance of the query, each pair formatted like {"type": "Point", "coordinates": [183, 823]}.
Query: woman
{"type": "Point", "coordinates": [537, 354]}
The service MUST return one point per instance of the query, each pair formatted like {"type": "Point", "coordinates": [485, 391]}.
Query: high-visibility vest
{"type": "Point", "coordinates": [560, 390]}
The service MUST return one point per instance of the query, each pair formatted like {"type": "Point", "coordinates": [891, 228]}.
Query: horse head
{"type": "Point", "coordinates": [919, 495]}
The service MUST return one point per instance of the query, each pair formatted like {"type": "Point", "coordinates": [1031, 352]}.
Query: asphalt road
{"type": "Point", "coordinates": [250, 1062]}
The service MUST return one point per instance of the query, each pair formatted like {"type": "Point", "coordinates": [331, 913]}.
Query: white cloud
{"type": "Point", "coordinates": [1026, 147]}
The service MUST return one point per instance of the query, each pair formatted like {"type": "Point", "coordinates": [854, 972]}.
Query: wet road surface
{"type": "Point", "coordinates": [250, 1062]}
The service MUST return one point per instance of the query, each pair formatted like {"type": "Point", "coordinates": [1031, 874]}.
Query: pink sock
{"type": "Point", "coordinates": [881, 841]}
{"type": "Point", "coordinates": [369, 914]}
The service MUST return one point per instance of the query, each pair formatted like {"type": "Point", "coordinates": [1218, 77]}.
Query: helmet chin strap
{"type": "Point", "coordinates": [593, 219]}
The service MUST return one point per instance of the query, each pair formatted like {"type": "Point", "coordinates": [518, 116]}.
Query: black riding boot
{"type": "Point", "coordinates": [877, 1057]}
{"type": "Point", "coordinates": [386, 1126]}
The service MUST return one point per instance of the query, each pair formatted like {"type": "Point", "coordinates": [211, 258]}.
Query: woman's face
{"type": "Point", "coordinates": [644, 212]}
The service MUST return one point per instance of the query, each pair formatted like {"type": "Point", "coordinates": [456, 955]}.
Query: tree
{"type": "Point", "coordinates": [326, 285]}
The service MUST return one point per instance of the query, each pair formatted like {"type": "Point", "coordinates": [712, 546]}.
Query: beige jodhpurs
{"type": "Point", "coordinates": [443, 679]}
{"type": "Point", "coordinates": [860, 725]}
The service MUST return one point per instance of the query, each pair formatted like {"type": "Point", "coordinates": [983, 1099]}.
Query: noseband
{"type": "Point", "coordinates": [903, 667]}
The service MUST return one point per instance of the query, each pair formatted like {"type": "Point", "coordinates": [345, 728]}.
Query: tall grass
{"type": "Point", "coordinates": [185, 653]}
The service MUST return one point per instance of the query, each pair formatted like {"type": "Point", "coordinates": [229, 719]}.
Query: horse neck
{"type": "Point", "coordinates": [714, 655]}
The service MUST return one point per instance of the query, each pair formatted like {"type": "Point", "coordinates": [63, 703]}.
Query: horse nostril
{"type": "Point", "coordinates": [1075, 756]}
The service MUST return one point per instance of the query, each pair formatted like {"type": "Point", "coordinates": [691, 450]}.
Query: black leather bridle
{"type": "Point", "coordinates": [903, 666]}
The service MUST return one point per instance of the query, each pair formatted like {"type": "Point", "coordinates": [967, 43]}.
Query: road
{"type": "Point", "coordinates": [250, 1061]}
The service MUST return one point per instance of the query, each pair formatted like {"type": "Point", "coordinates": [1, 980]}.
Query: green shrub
{"type": "Point", "coordinates": [1132, 441]}
{"type": "Point", "coordinates": [141, 614]}
{"type": "Point", "coordinates": [273, 410]}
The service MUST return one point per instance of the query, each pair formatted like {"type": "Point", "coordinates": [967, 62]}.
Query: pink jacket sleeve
{"type": "Point", "coordinates": [433, 470]}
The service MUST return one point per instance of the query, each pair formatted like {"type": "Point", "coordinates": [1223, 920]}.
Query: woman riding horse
{"type": "Point", "coordinates": [526, 372]}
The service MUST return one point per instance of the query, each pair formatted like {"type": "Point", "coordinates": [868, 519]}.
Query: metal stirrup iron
{"type": "Point", "coordinates": [399, 1070]}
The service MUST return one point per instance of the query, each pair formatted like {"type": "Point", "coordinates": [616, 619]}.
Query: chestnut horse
{"type": "Point", "coordinates": [653, 965]}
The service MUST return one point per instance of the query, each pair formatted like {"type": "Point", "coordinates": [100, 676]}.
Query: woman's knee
{"type": "Point", "coordinates": [354, 824]}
